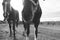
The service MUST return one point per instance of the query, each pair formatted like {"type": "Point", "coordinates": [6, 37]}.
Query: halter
{"type": "Point", "coordinates": [34, 8]}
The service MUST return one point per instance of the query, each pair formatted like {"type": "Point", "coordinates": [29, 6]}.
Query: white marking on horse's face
{"type": "Point", "coordinates": [7, 5]}
{"type": "Point", "coordinates": [5, 8]}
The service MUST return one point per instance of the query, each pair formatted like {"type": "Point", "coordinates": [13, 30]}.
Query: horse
{"type": "Point", "coordinates": [12, 17]}
{"type": "Point", "coordinates": [31, 13]}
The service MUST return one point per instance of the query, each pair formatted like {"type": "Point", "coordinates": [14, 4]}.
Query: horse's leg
{"type": "Point", "coordinates": [10, 29]}
{"type": "Point", "coordinates": [17, 15]}
{"type": "Point", "coordinates": [28, 31]}
{"type": "Point", "coordinates": [17, 23]}
{"type": "Point", "coordinates": [24, 32]}
{"type": "Point", "coordinates": [36, 30]}
{"type": "Point", "coordinates": [14, 30]}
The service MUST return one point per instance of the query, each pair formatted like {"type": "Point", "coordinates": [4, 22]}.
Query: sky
{"type": "Point", "coordinates": [50, 9]}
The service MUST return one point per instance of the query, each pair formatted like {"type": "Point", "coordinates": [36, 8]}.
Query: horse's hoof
{"type": "Point", "coordinates": [27, 38]}
{"type": "Point", "coordinates": [24, 34]}
{"type": "Point", "coordinates": [35, 38]}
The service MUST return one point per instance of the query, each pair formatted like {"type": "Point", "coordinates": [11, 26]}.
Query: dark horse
{"type": "Point", "coordinates": [31, 13]}
{"type": "Point", "coordinates": [12, 17]}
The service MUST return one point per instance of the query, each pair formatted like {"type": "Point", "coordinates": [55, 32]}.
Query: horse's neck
{"type": "Point", "coordinates": [12, 10]}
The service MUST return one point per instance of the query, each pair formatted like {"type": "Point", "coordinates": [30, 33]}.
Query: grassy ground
{"type": "Point", "coordinates": [45, 32]}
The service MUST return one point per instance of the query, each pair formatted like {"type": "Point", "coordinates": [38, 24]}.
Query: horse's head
{"type": "Point", "coordinates": [6, 8]}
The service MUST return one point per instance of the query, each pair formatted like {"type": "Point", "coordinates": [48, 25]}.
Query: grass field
{"type": "Point", "coordinates": [45, 32]}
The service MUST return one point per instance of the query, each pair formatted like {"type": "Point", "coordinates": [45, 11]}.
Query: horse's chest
{"type": "Point", "coordinates": [11, 15]}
